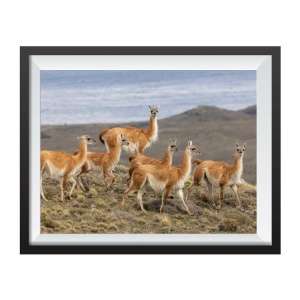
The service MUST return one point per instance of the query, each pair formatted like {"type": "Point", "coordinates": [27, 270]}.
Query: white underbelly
{"type": "Point", "coordinates": [53, 171]}
{"type": "Point", "coordinates": [235, 179]}
{"type": "Point", "coordinates": [156, 185]}
{"type": "Point", "coordinates": [213, 180]}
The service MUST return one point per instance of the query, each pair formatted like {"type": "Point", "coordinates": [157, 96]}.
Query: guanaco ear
{"type": "Point", "coordinates": [190, 143]}
{"type": "Point", "coordinates": [244, 147]}
{"type": "Point", "coordinates": [237, 145]}
{"type": "Point", "coordinates": [150, 107]}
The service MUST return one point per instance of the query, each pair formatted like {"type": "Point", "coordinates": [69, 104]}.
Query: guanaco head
{"type": "Point", "coordinates": [239, 151]}
{"type": "Point", "coordinates": [87, 139]}
{"type": "Point", "coordinates": [172, 147]}
{"type": "Point", "coordinates": [123, 140]}
{"type": "Point", "coordinates": [192, 149]}
{"type": "Point", "coordinates": [153, 110]}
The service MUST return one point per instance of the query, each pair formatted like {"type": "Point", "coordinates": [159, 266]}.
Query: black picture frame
{"type": "Point", "coordinates": [27, 248]}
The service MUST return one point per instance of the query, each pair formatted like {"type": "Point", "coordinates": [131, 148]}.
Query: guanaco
{"type": "Point", "coordinates": [63, 166]}
{"type": "Point", "coordinates": [105, 161]}
{"type": "Point", "coordinates": [220, 173]}
{"type": "Point", "coordinates": [140, 138]}
{"type": "Point", "coordinates": [140, 158]}
{"type": "Point", "coordinates": [162, 178]}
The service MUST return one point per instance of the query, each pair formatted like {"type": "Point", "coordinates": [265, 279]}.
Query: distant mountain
{"type": "Point", "coordinates": [205, 114]}
{"type": "Point", "coordinates": [208, 113]}
{"type": "Point", "coordinates": [251, 110]}
{"type": "Point", "coordinates": [216, 130]}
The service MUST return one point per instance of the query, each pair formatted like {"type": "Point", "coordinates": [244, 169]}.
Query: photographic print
{"type": "Point", "coordinates": [150, 150]}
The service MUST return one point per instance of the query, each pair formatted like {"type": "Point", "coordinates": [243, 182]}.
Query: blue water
{"type": "Point", "coordinates": [69, 97]}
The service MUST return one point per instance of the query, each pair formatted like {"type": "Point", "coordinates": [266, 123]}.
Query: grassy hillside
{"type": "Point", "coordinates": [99, 211]}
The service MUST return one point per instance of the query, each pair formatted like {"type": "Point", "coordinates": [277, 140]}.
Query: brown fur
{"type": "Point", "coordinates": [64, 166]}
{"type": "Point", "coordinates": [167, 177]}
{"type": "Point", "coordinates": [106, 161]}
{"type": "Point", "coordinates": [197, 162]}
{"type": "Point", "coordinates": [139, 136]}
{"type": "Point", "coordinates": [143, 159]}
{"type": "Point", "coordinates": [221, 174]}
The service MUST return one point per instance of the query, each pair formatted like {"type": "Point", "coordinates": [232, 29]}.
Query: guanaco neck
{"type": "Point", "coordinates": [186, 164]}
{"type": "Point", "coordinates": [82, 154]}
{"type": "Point", "coordinates": [152, 130]}
{"type": "Point", "coordinates": [115, 153]}
{"type": "Point", "coordinates": [168, 158]}
{"type": "Point", "coordinates": [238, 164]}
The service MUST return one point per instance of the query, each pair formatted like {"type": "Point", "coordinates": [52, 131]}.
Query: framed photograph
{"type": "Point", "coordinates": [150, 150]}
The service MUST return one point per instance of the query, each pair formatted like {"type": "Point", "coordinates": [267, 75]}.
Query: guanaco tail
{"type": "Point", "coordinates": [220, 173]}
{"type": "Point", "coordinates": [139, 138]}
{"type": "Point", "coordinates": [105, 161]}
{"type": "Point", "coordinates": [162, 178]}
{"type": "Point", "coordinates": [63, 166]}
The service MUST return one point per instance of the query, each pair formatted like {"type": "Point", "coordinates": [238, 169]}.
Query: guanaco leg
{"type": "Point", "coordinates": [74, 182]}
{"type": "Point", "coordinates": [221, 199]}
{"type": "Point", "coordinates": [109, 178]}
{"type": "Point", "coordinates": [80, 184]}
{"type": "Point", "coordinates": [140, 199]}
{"type": "Point", "coordinates": [235, 190]}
{"type": "Point", "coordinates": [179, 194]}
{"type": "Point", "coordinates": [62, 184]}
{"type": "Point", "coordinates": [41, 183]}
{"type": "Point", "coordinates": [42, 190]}
{"type": "Point", "coordinates": [189, 190]}
{"type": "Point", "coordinates": [113, 179]}
{"type": "Point", "coordinates": [136, 183]}
{"type": "Point", "coordinates": [210, 192]}
{"type": "Point", "coordinates": [164, 197]}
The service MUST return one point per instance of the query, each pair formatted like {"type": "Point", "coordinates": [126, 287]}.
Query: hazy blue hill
{"type": "Point", "coordinates": [250, 110]}
{"type": "Point", "coordinates": [207, 113]}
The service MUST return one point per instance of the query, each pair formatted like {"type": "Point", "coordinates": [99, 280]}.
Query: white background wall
{"type": "Point", "coordinates": [153, 22]}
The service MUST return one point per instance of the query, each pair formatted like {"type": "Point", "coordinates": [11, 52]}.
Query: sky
{"type": "Point", "coordinates": [76, 97]}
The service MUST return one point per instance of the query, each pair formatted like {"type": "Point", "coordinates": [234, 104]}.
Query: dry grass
{"type": "Point", "coordinates": [99, 211]}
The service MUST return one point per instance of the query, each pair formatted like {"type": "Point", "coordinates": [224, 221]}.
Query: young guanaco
{"type": "Point", "coordinates": [220, 173]}
{"type": "Point", "coordinates": [63, 166]}
{"type": "Point", "coordinates": [139, 138]}
{"type": "Point", "coordinates": [143, 159]}
{"type": "Point", "coordinates": [162, 178]}
{"type": "Point", "coordinates": [105, 161]}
